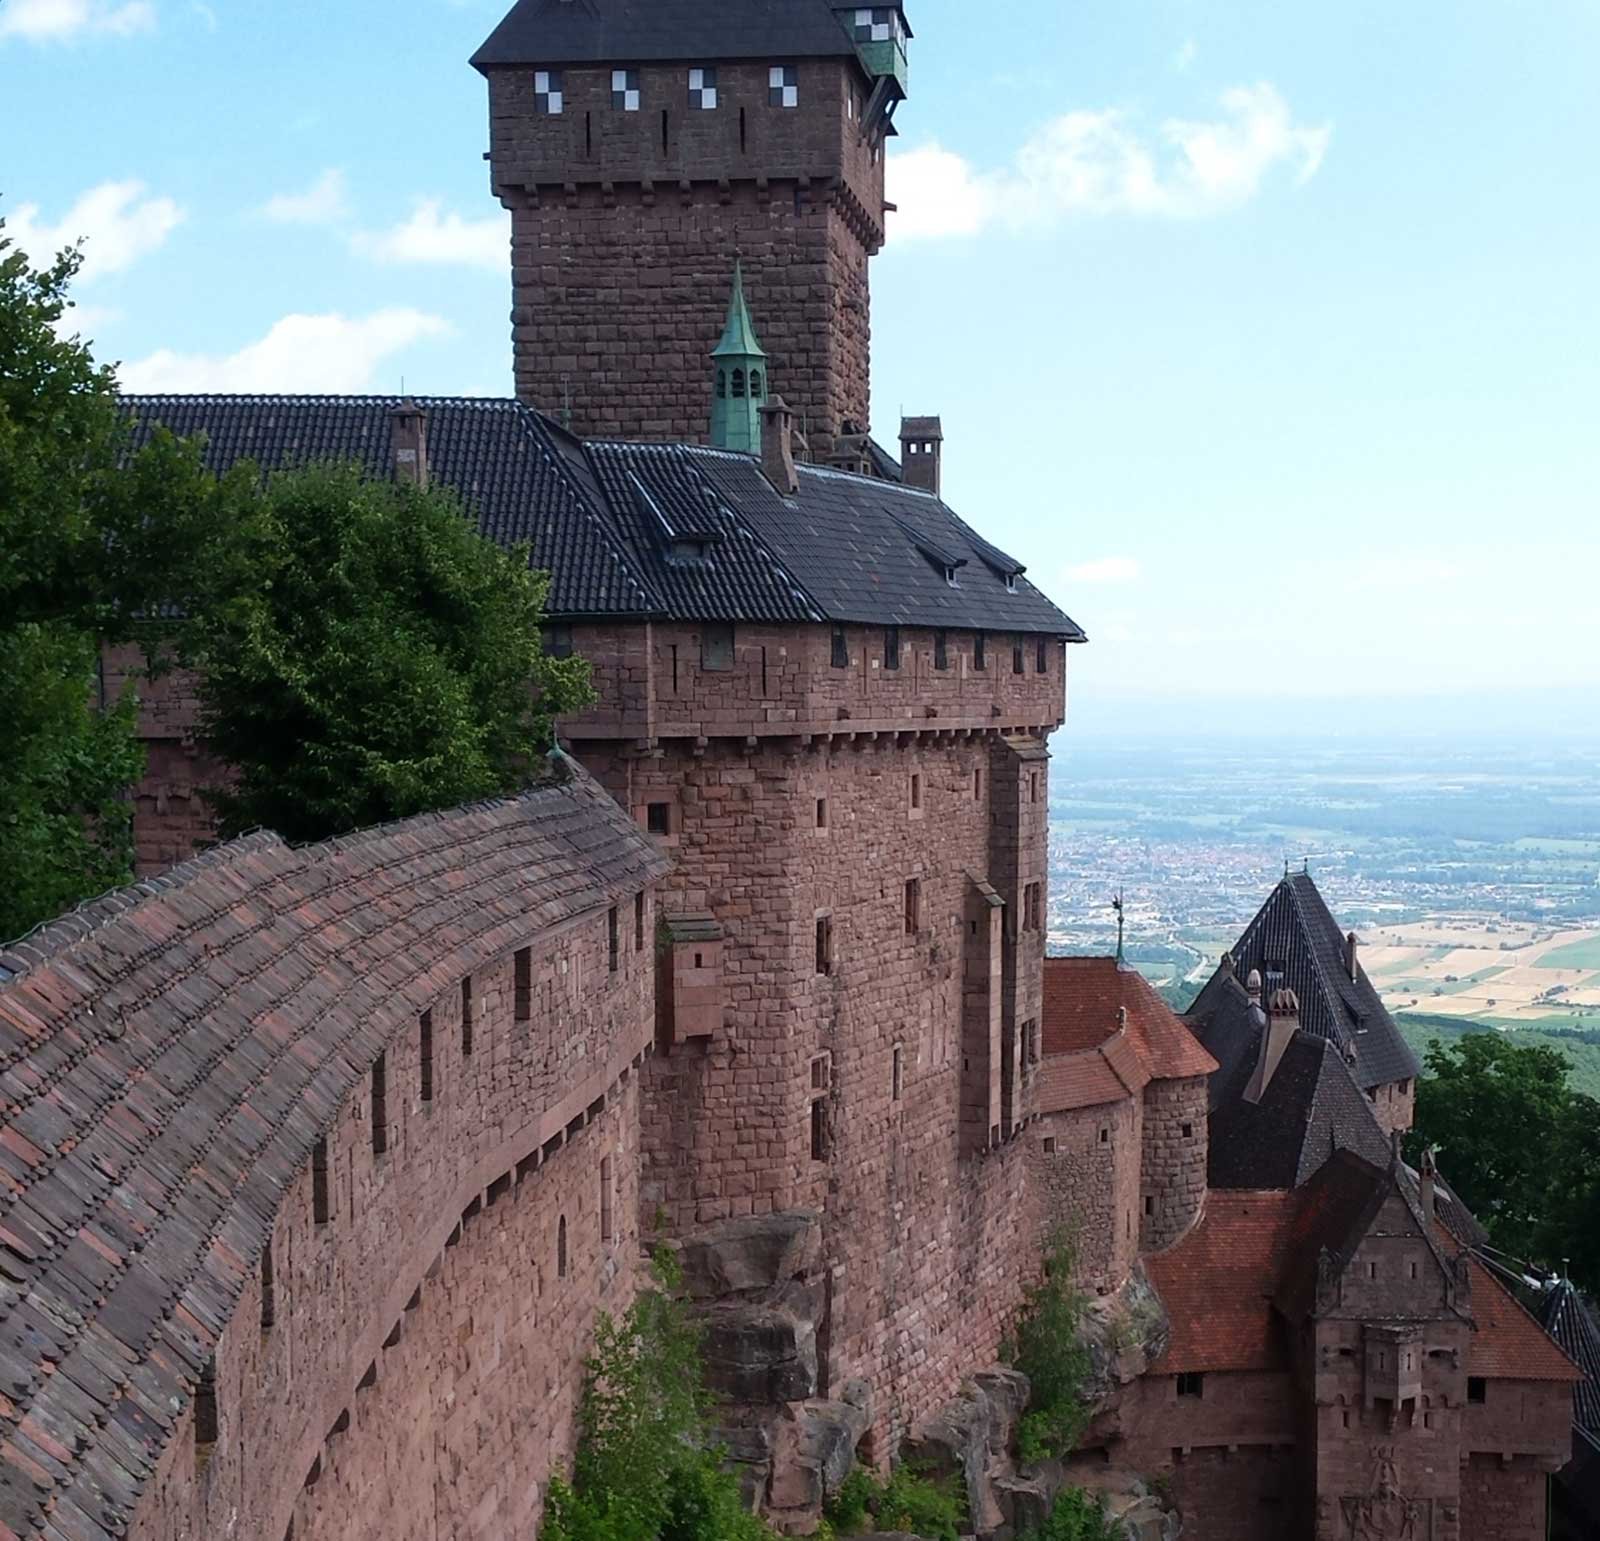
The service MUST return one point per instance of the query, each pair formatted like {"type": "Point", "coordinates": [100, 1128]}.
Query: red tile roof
{"type": "Point", "coordinates": [1509, 1344]}
{"type": "Point", "coordinates": [1081, 999]}
{"type": "Point", "coordinates": [1217, 1284]}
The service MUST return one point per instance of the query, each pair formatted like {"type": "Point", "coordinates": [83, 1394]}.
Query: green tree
{"type": "Point", "coordinates": [382, 660]}
{"type": "Point", "coordinates": [1050, 1351]}
{"type": "Point", "coordinates": [1518, 1144]}
{"type": "Point", "coordinates": [98, 541]}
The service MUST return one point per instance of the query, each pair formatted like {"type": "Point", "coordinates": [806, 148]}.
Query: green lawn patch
{"type": "Point", "coordinates": [1584, 953]}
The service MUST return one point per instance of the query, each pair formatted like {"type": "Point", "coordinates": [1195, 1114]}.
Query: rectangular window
{"type": "Point", "coordinates": [625, 90]}
{"type": "Point", "coordinates": [913, 905]}
{"type": "Point", "coordinates": [980, 651]}
{"type": "Point", "coordinates": [840, 658]}
{"type": "Point", "coordinates": [716, 647]}
{"type": "Point", "coordinates": [1031, 907]}
{"type": "Point", "coordinates": [941, 654]}
{"type": "Point", "coordinates": [1477, 1389]}
{"type": "Point", "coordinates": [638, 922]}
{"type": "Point", "coordinates": [1149, 1204]}
{"type": "Point", "coordinates": [547, 96]}
{"type": "Point", "coordinates": [1041, 657]}
{"type": "Point", "coordinates": [916, 791]}
{"type": "Point", "coordinates": [523, 971]}
{"type": "Point", "coordinates": [1191, 1384]}
{"type": "Point", "coordinates": [427, 1056]}
{"type": "Point", "coordinates": [380, 1104]}
{"type": "Point", "coordinates": [702, 89]}
{"type": "Point", "coordinates": [205, 1411]}
{"type": "Point", "coordinates": [891, 647]}
{"type": "Point", "coordinates": [608, 1199]}
{"type": "Point", "coordinates": [466, 1017]}
{"type": "Point", "coordinates": [822, 813]}
{"type": "Point", "coordinates": [824, 944]}
{"type": "Point", "coordinates": [557, 641]}
{"type": "Point", "coordinates": [1033, 786]}
{"type": "Point", "coordinates": [1030, 1042]}
{"type": "Point", "coordinates": [819, 1129]}
{"type": "Point", "coordinates": [1105, 1135]}
{"type": "Point", "coordinates": [821, 1073]}
{"type": "Point", "coordinates": [321, 1209]}
{"type": "Point", "coordinates": [1188, 1131]}
{"type": "Point", "coordinates": [269, 1296]}
{"type": "Point", "coordinates": [895, 1081]}
{"type": "Point", "coordinates": [1049, 1143]}
{"type": "Point", "coordinates": [1016, 659]}
{"type": "Point", "coordinates": [783, 86]}
{"type": "Point", "coordinates": [658, 818]}
{"type": "Point", "coordinates": [613, 938]}
{"type": "Point", "coordinates": [977, 786]}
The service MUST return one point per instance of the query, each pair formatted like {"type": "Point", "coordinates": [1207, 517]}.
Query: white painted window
{"type": "Point", "coordinates": [783, 86]}
{"type": "Point", "coordinates": [702, 90]}
{"type": "Point", "coordinates": [547, 94]}
{"type": "Point", "coordinates": [625, 90]}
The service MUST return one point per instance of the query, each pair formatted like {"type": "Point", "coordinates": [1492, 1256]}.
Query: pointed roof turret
{"type": "Point", "coordinates": [740, 390]}
{"type": "Point", "coordinates": [739, 332]}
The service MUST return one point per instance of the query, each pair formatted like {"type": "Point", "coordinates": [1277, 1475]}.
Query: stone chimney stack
{"type": "Point", "coordinates": [408, 443]}
{"type": "Point", "coordinates": [921, 445]}
{"type": "Point", "coordinates": [1350, 945]}
{"type": "Point", "coordinates": [777, 446]}
{"type": "Point", "coordinates": [1252, 986]}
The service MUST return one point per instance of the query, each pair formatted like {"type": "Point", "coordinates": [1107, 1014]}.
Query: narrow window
{"type": "Point", "coordinates": [638, 921]}
{"type": "Point", "coordinates": [557, 641]}
{"type": "Point", "coordinates": [819, 1129]}
{"type": "Point", "coordinates": [588, 134]}
{"type": "Point", "coordinates": [941, 654]}
{"type": "Point", "coordinates": [1105, 1135]}
{"type": "Point", "coordinates": [891, 647]}
{"type": "Point", "coordinates": [524, 984]}
{"type": "Point", "coordinates": [561, 1248]}
{"type": "Point", "coordinates": [1188, 1131]}
{"type": "Point", "coordinates": [269, 1294]}
{"type": "Point", "coordinates": [466, 1017]}
{"type": "Point", "coordinates": [977, 786]}
{"type": "Point", "coordinates": [1030, 1042]}
{"type": "Point", "coordinates": [980, 651]}
{"type": "Point", "coordinates": [613, 938]}
{"type": "Point", "coordinates": [1149, 1205]}
{"type": "Point", "coordinates": [1033, 786]}
{"type": "Point", "coordinates": [744, 144]}
{"type": "Point", "coordinates": [666, 143]}
{"type": "Point", "coordinates": [716, 641]}
{"type": "Point", "coordinates": [1041, 657]}
{"type": "Point", "coordinates": [608, 1199]}
{"type": "Point", "coordinates": [821, 1073]}
{"type": "Point", "coordinates": [916, 790]}
{"type": "Point", "coordinates": [824, 944]}
{"type": "Point", "coordinates": [380, 1104]}
{"type": "Point", "coordinates": [841, 649]}
{"type": "Point", "coordinates": [738, 384]}
{"type": "Point", "coordinates": [895, 1073]}
{"type": "Point", "coordinates": [205, 1412]}
{"type": "Point", "coordinates": [1016, 659]}
{"type": "Point", "coordinates": [1372, 1270]}
{"type": "Point", "coordinates": [674, 668]}
{"type": "Point", "coordinates": [913, 905]}
{"type": "Point", "coordinates": [722, 385]}
{"type": "Point", "coordinates": [755, 385]}
{"type": "Point", "coordinates": [1477, 1389]}
{"type": "Point", "coordinates": [427, 1056]}
{"type": "Point", "coordinates": [1191, 1384]}
{"type": "Point", "coordinates": [822, 813]}
{"type": "Point", "coordinates": [783, 86]}
{"type": "Point", "coordinates": [658, 818]}
{"type": "Point", "coordinates": [320, 1209]}
{"type": "Point", "coordinates": [765, 690]}
{"type": "Point", "coordinates": [1413, 1270]}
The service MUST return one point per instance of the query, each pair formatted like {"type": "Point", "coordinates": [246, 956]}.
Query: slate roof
{"type": "Point", "coordinates": [168, 1057]}
{"type": "Point", "coordinates": [1311, 1106]}
{"type": "Point", "coordinates": [644, 31]}
{"type": "Point", "coordinates": [609, 519]}
{"type": "Point", "coordinates": [1295, 942]}
{"type": "Point", "coordinates": [1571, 1321]}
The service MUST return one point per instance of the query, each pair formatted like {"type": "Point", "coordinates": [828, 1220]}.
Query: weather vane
{"type": "Point", "coordinates": [1116, 904]}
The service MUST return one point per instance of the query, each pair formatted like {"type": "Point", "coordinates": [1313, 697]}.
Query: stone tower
{"type": "Point", "coordinates": [639, 147]}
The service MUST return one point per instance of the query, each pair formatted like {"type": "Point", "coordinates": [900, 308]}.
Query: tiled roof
{"type": "Point", "coordinates": [1217, 1284]}
{"type": "Point", "coordinates": [616, 524]}
{"type": "Point", "coordinates": [1509, 1344]}
{"type": "Point", "coordinates": [1109, 1072]}
{"type": "Point", "coordinates": [639, 31]}
{"type": "Point", "coordinates": [1571, 1321]}
{"type": "Point", "coordinates": [1295, 942]}
{"type": "Point", "coordinates": [1081, 999]}
{"type": "Point", "coordinates": [168, 1057]}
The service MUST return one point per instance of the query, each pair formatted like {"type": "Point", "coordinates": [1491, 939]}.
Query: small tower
{"type": "Point", "coordinates": [739, 389]}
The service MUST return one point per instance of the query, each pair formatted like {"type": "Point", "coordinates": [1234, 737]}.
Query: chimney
{"type": "Point", "coordinates": [408, 443]}
{"type": "Point", "coordinates": [921, 443]}
{"type": "Point", "coordinates": [777, 446]}
{"type": "Point", "coordinates": [1350, 945]}
{"type": "Point", "coordinates": [1283, 1022]}
{"type": "Point", "coordinates": [1427, 1171]}
{"type": "Point", "coordinates": [1252, 986]}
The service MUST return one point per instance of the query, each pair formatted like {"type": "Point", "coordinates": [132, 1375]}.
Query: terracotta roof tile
{"type": "Point", "coordinates": [1081, 999]}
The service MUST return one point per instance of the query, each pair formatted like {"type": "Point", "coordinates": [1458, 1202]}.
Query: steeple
{"type": "Point", "coordinates": [739, 390]}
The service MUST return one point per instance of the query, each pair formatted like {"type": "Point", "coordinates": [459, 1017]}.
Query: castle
{"type": "Point", "coordinates": [320, 1163]}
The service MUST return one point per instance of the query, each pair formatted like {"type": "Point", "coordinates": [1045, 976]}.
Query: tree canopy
{"type": "Point", "coordinates": [1519, 1145]}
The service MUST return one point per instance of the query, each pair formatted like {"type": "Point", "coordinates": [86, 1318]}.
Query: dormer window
{"type": "Point", "coordinates": [783, 86]}
{"type": "Point", "coordinates": [702, 90]}
{"type": "Point", "coordinates": [547, 96]}
{"type": "Point", "coordinates": [1011, 583]}
{"type": "Point", "coordinates": [950, 577]}
{"type": "Point", "coordinates": [625, 90]}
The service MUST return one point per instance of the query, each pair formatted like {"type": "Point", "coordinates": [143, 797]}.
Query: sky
{"type": "Point", "coordinates": [1266, 335]}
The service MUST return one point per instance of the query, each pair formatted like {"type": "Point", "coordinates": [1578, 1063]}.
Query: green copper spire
{"type": "Point", "coordinates": [740, 387]}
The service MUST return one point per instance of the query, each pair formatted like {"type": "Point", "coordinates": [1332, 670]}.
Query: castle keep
{"type": "Point", "coordinates": [319, 1164]}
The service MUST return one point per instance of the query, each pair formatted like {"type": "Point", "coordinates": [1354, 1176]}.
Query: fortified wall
{"type": "Point", "coordinates": [318, 1165]}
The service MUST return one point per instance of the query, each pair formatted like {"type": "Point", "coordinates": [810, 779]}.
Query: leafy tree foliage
{"type": "Point", "coordinates": [1076, 1515]}
{"type": "Point", "coordinates": [644, 1471]}
{"type": "Point", "coordinates": [1049, 1350]}
{"type": "Point", "coordinates": [1519, 1145]}
{"type": "Point", "coordinates": [908, 1501]}
{"type": "Point", "coordinates": [385, 659]}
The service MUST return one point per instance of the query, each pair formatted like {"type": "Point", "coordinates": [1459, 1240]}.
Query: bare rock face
{"type": "Point", "coordinates": [759, 1353]}
{"type": "Point", "coordinates": [969, 1439]}
{"type": "Point", "coordinates": [751, 1255]}
{"type": "Point", "coordinates": [1124, 1332]}
{"type": "Point", "coordinates": [815, 1448]}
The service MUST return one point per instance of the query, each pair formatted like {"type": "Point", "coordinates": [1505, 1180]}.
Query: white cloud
{"type": "Point", "coordinates": [320, 204]}
{"type": "Point", "coordinates": [61, 21]}
{"type": "Point", "coordinates": [1185, 56]}
{"type": "Point", "coordinates": [429, 236]}
{"type": "Point", "coordinates": [328, 353]}
{"type": "Point", "coordinates": [1099, 163]}
{"type": "Point", "coordinates": [1106, 569]}
{"type": "Point", "coordinates": [115, 221]}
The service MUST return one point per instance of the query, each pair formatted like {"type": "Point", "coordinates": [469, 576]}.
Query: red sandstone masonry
{"type": "Point", "coordinates": [1173, 1164]}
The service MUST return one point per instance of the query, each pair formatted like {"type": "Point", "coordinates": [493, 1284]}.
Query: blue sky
{"type": "Point", "coordinates": [1267, 335]}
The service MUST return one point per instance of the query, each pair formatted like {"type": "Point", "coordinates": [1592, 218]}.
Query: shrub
{"type": "Point", "coordinates": [909, 1500]}
{"type": "Point", "coordinates": [1048, 1349]}
{"type": "Point", "coordinates": [1075, 1515]}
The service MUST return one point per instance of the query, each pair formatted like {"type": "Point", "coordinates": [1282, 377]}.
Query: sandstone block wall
{"type": "Point", "coordinates": [1173, 1167]}
{"type": "Point", "coordinates": [1085, 1167]}
{"type": "Point", "coordinates": [1395, 1104]}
